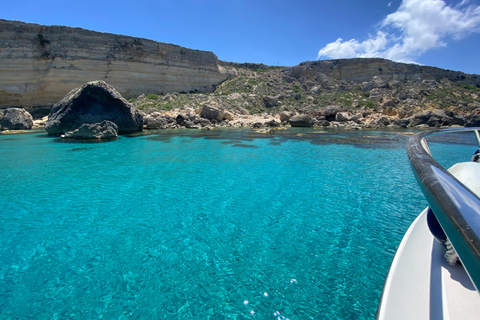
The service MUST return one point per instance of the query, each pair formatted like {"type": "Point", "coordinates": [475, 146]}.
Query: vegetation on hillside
{"type": "Point", "coordinates": [272, 90]}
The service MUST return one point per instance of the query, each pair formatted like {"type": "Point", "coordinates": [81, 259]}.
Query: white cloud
{"type": "Point", "coordinates": [416, 27]}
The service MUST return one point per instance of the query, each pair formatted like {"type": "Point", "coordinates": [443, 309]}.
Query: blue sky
{"type": "Point", "coordinates": [439, 33]}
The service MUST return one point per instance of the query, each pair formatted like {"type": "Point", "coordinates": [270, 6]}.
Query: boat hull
{"type": "Point", "coordinates": [422, 285]}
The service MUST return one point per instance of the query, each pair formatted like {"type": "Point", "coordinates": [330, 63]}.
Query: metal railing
{"type": "Point", "coordinates": [456, 207]}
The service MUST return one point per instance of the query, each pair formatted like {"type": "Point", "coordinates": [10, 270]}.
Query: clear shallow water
{"type": "Point", "coordinates": [203, 224]}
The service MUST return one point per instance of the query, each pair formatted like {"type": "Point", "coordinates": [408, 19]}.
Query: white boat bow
{"type": "Point", "coordinates": [421, 284]}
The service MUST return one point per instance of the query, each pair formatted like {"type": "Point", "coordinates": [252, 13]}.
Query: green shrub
{"type": "Point", "coordinates": [471, 87]}
{"type": "Point", "coordinates": [152, 96]}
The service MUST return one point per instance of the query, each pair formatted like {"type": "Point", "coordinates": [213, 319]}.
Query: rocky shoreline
{"type": "Point", "coordinates": [331, 116]}
{"type": "Point", "coordinates": [208, 118]}
{"type": "Point", "coordinates": [263, 97]}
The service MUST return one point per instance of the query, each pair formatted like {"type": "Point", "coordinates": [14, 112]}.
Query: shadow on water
{"type": "Point", "coordinates": [79, 149]}
{"type": "Point", "coordinates": [57, 139]}
{"type": "Point", "coordinates": [85, 141]}
{"type": "Point", "coordinates": [386, 139]}
{"type": "Point", "coordinates": [463, 138]}
{"type": "Point", "coordinates": [241, 145]}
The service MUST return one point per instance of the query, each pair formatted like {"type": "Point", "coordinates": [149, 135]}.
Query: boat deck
{"type": "Point", "coordinates": [421, 284]}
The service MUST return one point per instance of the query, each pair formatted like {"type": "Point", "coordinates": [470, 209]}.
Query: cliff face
{"type": "Point", "coordinates": [364, 69]}
{"type": "Point", "coordinates": [40, 64]}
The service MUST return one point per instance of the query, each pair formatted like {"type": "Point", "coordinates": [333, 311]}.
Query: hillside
{"type": "Point", "coordinates": [263, 90]}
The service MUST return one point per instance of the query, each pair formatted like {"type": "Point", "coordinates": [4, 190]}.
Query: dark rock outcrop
{"type": "Point", "coordinates": [473, 121]}
{"type": "Point", "coordinates": [301, 120]}
{"type": "Point", "coordinates": [92, 103]}
{"type": "Point", "coordinates": [272, 123]}
{"type": "Point", "coordinates": [103, 130]}
{"type": "Point", "coordinates": [15, 119]}
{"type": "Point", "coordinates": [330, 112]}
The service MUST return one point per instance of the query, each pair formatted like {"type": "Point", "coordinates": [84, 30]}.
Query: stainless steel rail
{"type": "Point", "coordinates": [455, 206]}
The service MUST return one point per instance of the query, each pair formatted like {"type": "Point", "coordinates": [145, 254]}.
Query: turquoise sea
{"type": "Point", "coordinates": [222, 224]}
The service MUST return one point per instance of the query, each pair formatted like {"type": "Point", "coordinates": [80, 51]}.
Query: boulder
{"type": "Point", "coordinates": [103, 130]}
{"type": "Point", "coordinates": [376, 83]}
{"type": "Point", "coordinates": [473, 121]}
{"type": "Point", "coordinates": [301, 120]}
{"type": "Point", "coordinates": [343, 116]}
{"type": "Point", "coordinates": [228, 115]}
{"type": "Point", "coordinates": [403, 123]}
{"type": "Point", "coordinates": [376, 95]}
{"type": "Point", "coordinates": [270, 102]}
{"type": "Point", "coordinates": [455, 119]}
{"type": "Point", "coordinates": [408, 94]}
{"type": "Point", "coordinates": [180, 119]}
{"type": "Point", "coordinates": [243, 111]}
{"type": "Point", "coordinates": [420, 119]}
{"type": "Point", "coordinates": [435, 121]}
{"type": "Point", "coordinates": [15, 119]}
{"type": "Point", "coordinates": [437, 118]}
{"type": "Point", "coordinates": [323, 123]}
{"type": "Point", "coordinates": [379, 83]}
{"type": "Point", "coordinates": [272, 123]}
{"type": "Point", "coordinates": [212, 113]}
{"type": "Point", "coordinates": [153, 123]}
{"type": "Point", "coordinates": [203, 122]}
{"type": "Point", "coordinates": [40, 123]}
{"type": "Point", "coordinates": [382, 122]}
{"type": "Point", "coordinates": [189, 124]}
{"type": "Point", "coordinates": [286, 115]}
{"type": "Point", "coordinates": [93, 103]}
{"type": "Point", "coordinates": [330, 112]}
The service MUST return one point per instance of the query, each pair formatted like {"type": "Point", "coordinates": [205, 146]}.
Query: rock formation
{"type": "Point", "coordinates": [93, 103]}
{"type": "Point", "coordinates": [301, 120]}
{"type": "Point", "coordinates": [15, 119]}
{"type": "Point", "coordinates": [39, 64]}
{"type": "Point", "coordinates": [211, 113]}
{"type": "Point", "coordinates": [365, 69]}
{"type": "Point", "coordinates": [103, 130]}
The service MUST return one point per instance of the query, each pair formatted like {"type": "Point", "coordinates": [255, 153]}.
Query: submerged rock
{"type": "Point", "coordinates": [103, 130]}
{"type": "Point", "coordinates": [15, 119]}
{"type": "Point", "coordinates": [92, 103]}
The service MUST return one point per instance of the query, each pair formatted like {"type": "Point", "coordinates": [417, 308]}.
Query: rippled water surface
{"type": "Point", "coordinates": [227, 224]}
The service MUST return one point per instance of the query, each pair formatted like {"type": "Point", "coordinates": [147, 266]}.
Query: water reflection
{"type": "Point", "coordinates": [386, 139]}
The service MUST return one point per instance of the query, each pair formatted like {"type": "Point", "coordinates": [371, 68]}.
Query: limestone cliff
{"type": "Point", "coordinates": [40, 64]}
{"type": "Point", "coordinates": [364, 69]}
